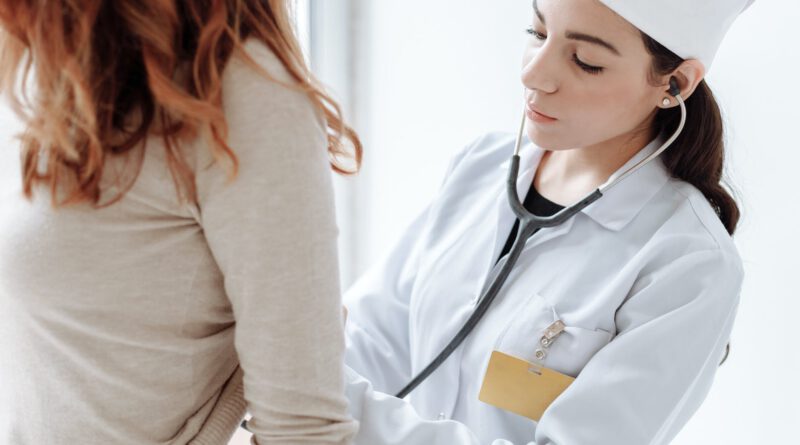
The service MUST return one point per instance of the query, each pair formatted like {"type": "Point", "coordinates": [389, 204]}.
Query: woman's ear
{"type": "Point", "coordinates": [688, 75]}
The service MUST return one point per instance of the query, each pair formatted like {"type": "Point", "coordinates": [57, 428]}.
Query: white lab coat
{"type": "Point", "coordinates": [646, 280]}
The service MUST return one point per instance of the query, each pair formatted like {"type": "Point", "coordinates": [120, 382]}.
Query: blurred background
{"type": "Point", "coordinates": [420, 79]}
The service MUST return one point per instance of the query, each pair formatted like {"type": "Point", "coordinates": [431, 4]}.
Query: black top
{"type": "Point", "coordinates": [536, 204]}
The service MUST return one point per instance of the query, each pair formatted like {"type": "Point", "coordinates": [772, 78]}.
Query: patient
{"type": "Point", "coordinates": [168, 260]}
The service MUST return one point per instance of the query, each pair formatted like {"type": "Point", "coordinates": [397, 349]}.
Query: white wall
{"type": "Point", "coordinates": [431, 75]}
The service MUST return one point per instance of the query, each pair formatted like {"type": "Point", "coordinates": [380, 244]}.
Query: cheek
{"type": "Point", "coordinates": [606, 108]}
{"type": "Point", "coordinates": [592, 115]}
{"type": "Point", "coordinates": [584, 118]}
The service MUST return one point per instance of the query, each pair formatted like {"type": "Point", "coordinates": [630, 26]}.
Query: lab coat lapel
{"type": "Point", "coordinates": [498, 221]}
{"type": "Point", "coordinates": [504, 217]}
{"type": "Point", "coordinates": [620, 204]}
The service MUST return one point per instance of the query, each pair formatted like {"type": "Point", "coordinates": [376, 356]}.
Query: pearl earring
{"type": "Point", "coordinates": [666, 102]}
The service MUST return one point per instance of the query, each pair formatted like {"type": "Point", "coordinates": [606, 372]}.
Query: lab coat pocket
{"type": "Point", "coordinates": [568, 353]}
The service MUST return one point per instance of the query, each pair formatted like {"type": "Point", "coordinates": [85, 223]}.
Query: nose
{"type": "Point", "coordinates": [539, 71]}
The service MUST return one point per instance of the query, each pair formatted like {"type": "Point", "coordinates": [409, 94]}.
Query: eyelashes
{"type": "Point", "coordinates": [586, 67]}
{"type": "Point", "coordinates": [590, 69]}
{"type": "Point", "coordinates": [537, 35]}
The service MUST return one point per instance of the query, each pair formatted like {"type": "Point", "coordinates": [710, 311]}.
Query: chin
{"type": "Point", "coordinates": [548, 140]}
{"type": "Point", "coordinates": [560, 139]}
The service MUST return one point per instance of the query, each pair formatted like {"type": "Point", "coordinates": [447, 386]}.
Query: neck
{"type": "Point", "coordinates": [565, 176]}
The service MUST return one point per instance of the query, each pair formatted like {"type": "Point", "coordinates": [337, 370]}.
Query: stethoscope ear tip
{"type": "Point", "coordinates": [674, 88]}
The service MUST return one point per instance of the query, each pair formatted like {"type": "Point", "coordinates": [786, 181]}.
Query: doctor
{"type": "Point", "coordinates": [611, 326]}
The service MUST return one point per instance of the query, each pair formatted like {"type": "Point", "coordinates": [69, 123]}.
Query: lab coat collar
{"type": "Point", "coordinates": [621, 203]}
{"type": "Point", "coordinates": [624, 201]}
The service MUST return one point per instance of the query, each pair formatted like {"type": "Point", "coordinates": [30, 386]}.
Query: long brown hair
{"type": "Point", "coordinates": [97, 61]}
{"type": "Point", "coordinates": [698, 154]}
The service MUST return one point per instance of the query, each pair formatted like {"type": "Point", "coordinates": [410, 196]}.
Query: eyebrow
{"type": "Point", "coordinates": [538, 13]}
{"type": "Point", "coordinates": [592, 39]}
{"type": "Point", "coordinates": [572, 35]}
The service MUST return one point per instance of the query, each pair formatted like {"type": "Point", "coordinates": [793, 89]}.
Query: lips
{"type": "Point", "coordinates": [538, 117]}
{"type": "Point", "coordinates": [536, 110]}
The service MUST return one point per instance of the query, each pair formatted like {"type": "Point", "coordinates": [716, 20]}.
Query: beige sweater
{"type": "Point", "coordinates": [132, 324]}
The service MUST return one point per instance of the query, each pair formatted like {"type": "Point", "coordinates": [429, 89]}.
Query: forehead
{"type": "Point", "coordinates": [588, 17]}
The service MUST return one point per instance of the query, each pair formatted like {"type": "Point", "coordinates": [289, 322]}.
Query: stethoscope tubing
{"type": "Point", "coordinates": [529, 224]}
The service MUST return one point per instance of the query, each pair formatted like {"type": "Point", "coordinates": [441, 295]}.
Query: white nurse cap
{"type": "Point", "coordinates": [692, 29]}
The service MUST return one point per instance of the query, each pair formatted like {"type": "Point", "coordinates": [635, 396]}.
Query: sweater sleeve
{"type": "Point", "coordinates": [273, 233]}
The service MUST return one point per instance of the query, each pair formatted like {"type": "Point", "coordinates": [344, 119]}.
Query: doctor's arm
{"type": "Point", "coordinates": [377, 334]}
{"type": "Point", "coordinates": [645, 385]}
{"type": "Point", "coordinates": [640, 388]}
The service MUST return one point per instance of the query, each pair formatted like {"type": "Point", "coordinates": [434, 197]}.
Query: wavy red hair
{"type": "Point", "coordinates": [95, 62]}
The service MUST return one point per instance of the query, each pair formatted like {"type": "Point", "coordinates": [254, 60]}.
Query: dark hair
{"type": "Point", "coordinates": [697, 155]}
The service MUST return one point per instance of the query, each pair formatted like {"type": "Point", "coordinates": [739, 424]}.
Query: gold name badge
{"type": "Point", "coordinates": [521, 387]}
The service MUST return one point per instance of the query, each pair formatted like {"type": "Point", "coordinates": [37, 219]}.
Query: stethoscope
{"type": "Point", "coordinates": [529, 224]}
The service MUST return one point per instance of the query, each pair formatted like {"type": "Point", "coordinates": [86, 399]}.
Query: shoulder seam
{"type": "Point", "coordinates": [671, 181]}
